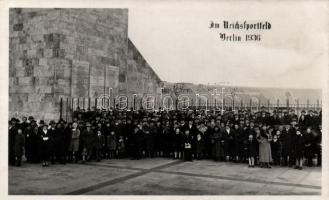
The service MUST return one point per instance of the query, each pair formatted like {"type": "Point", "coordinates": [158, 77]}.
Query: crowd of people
{"type": "Point", "coordinates": [257, 139]}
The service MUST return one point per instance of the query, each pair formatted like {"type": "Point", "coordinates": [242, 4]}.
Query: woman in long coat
{"type": "Point", "coordinates": [45, 145]}
{"type": "Point", "coordinates": [74, 143]}
{"type": "Point", "coordinates": [265, 155]}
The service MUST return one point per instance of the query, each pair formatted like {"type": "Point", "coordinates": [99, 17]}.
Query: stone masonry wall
{"type": "Point", "coordinates": [58, 53]}
{"type": "Point", "coordinates": [71, 53]}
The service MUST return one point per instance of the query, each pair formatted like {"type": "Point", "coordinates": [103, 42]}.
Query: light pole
{"type": "Point", "coordinates": [154, 104]}
{"type": "Point", "coordinates": [222, 100]}
{"type": "Point", "coordinates": [297, 106]}
{"type": "Point", "coordinates": [258, 103]}
{"type": "Point", "coordinates": [134, 100]}
{"type": "Point", "coordinates": [196, 101]}
{"type": "Point", "coordinates": [214, 98]}
{"type": "Point", "coordinates": [213, 101]}
{"type": "Point", "coordinates": [161, 97]}
{"type": "Point", "coordinates": [110, 96]}
{"type": "Point", "coordinates": [110, 91]}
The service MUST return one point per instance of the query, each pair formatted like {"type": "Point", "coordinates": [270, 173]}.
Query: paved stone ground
{"type": "Point", "coordinates": [162, 177]}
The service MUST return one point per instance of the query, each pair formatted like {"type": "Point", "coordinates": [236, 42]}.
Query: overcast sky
{"type": "Point", "coordinates": [177, 43]}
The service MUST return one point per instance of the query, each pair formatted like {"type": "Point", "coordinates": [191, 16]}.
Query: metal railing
{"type": "Point", "coordinates": [69, 105]}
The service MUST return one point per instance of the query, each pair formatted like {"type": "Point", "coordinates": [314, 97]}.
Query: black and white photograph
{"type": "Point", "coordinates": [181, 98]}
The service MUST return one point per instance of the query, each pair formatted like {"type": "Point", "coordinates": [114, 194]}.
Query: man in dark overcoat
{"type": "Point", "coordinates": [12, 136]}
{"type": "Point", "coordinates": [287, 136]}
{"type": "Point", "coordinates": [229, 138]}
{"type": "Point", "coordinates": [19, 147]}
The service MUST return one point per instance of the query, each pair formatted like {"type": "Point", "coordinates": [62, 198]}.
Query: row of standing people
{"type": "Point", "coordinates": [286, 145]}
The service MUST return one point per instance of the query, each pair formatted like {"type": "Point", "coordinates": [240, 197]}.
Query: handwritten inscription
{"type": "Point", "coordinates": [240, 31]}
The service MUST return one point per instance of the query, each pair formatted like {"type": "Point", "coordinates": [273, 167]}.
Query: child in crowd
{"type": "Point", "coordinates": [252, 150]}
{"type": "Point", "coordinates": [276, 150]}
{"type": "Point", "coordinates": [187, 146]}
{"type": "Point", "coordinates": [121, 147]}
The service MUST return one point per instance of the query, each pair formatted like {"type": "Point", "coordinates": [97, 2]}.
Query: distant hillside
{"type": "Point", "coordinates": [247, 93]}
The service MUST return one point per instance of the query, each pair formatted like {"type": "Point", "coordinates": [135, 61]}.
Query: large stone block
{"type": "Point", "coordinates": [97, 81]}
{"type": "Point", "coordinates": [25, 81]}
{"type": "Point", "coordinates": [13, 81]}
{"type": "Point", "coordinates": [22, 89]}
{"type": "Point", "coordinates": [48, 53]}
{"type": "Point", "coordinates": [43, 71]}
{"type": "Point", "coordinates": [33, 97]}
{"type": "Point", "coordinates": [19, 71]}
{"type": "Point", "coordinates": [45, 81]}
{"type": "Point", "coordinates": [28, 70]}
{"type": "Point", "coordinates": [42, 89]}
{"type": "Point", "coordinates": [31, 52]}
{"type": "Point", "coordinates": [43, 61]}
{"type": "Point", "coordinates": [18, 63]}
{"type": "Point", "coordinates": [62, 89]}
{"type": "Point", "coordinates": [68, 48]}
